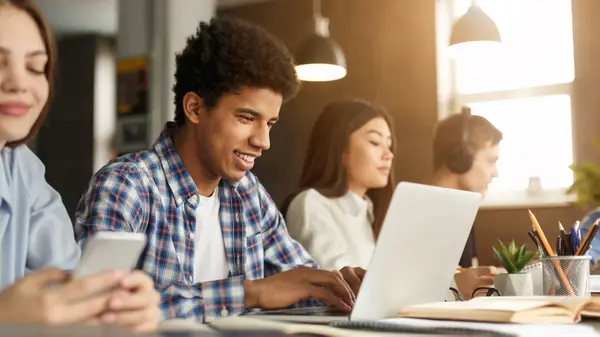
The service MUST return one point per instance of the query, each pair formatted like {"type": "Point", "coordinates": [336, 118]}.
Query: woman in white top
{"type": "Point", "coordinates": [346, 186]}
{"type": "Point", "coordinates": [36, 235]}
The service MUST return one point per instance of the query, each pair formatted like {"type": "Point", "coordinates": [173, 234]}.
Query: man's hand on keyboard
{"type": "Point", "coordinates": [293, 286]}
{"type": "Point", "coordinates": [354, 277]}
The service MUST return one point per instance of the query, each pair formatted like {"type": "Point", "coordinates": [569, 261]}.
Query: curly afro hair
{"type": "Point", "coordinates": [226, 55]}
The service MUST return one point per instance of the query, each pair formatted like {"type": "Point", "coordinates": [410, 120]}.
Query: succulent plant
{"type": "Point", "coordinates": [513, 259]}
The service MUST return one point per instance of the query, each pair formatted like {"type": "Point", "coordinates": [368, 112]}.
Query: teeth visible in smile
{"type": "Point", "coordinates": [245, 157]}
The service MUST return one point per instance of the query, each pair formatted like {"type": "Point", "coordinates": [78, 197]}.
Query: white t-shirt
{"type": "Point", "coordinates": [336, 232]}
{"type": "Point", "coordinates": [210, 260]}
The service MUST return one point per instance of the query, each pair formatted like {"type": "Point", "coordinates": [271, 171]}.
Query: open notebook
{"type": "Point", "coordinates": [504, 309]}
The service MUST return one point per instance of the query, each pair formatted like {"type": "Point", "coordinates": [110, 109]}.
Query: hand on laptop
{"type": "Point", "coordinates": [49, 296]}
{"type": "Point", "coordinates": [354, 277]}
{"type": "Point", "coordinates": [293, 286]}
{"type": "Point", "coordinates": [135, 304]}
{"type": "Point", "coordinates": [471, 278]}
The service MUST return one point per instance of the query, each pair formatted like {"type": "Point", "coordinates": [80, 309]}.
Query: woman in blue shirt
{"type": "Point", "coordinates": [36, 236]}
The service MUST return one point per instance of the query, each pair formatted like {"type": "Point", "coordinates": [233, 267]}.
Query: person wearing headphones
{"type": "Point", "coordinates": [465, 153]}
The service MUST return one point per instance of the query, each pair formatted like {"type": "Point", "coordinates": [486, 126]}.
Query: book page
{"type": "Point", "coordinates": [572, 303]}
{"type": "Point", "coordinates": [498, 304]}
{"type": "Point", "coordinates": [520, 330]}
{"type": "Point", "coordinates": [593, 306]}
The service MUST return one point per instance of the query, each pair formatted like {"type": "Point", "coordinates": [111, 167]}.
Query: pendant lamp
{"type": "Point", "coordinates": [320, 58]}
{"type": "Point", "coordinates": [474, 32]}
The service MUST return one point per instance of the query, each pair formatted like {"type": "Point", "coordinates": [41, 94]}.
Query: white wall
{"type": "Point", "coordinates": [105, 101]}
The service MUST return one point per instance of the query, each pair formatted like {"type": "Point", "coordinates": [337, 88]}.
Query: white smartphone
{"type": "Point", "coordinates": [110, 251]}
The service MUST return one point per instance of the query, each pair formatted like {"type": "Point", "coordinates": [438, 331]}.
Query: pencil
{"type": "Point", "coordinates": [548, 249]}
{"type": "Point", "coordinates": [540, 232]}
{"type": "Point", "coordinates": [588, 246]}
{"type": "Point", "coordinates": [588, 238]}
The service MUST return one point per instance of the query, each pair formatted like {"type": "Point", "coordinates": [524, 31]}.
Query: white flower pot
{"type": "Point", "coordinates": [514, 284]}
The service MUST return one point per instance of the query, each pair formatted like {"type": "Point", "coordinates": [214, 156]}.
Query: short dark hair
{"type": "Point", "coordinates": [226, 55]}
{"type": "Point", "coordinates": [450, 134]}
{"type": "Point", "coordinates": [35, 13]}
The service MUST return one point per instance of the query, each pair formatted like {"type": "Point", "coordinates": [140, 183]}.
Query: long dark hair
{"type": "Point", "coordinates": [323, 169]}
{"type": "Point", "coordinates": [35, 13]}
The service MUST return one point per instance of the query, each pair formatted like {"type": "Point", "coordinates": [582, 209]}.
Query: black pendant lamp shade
{"type": "Point", "coordinates": [320, 58]}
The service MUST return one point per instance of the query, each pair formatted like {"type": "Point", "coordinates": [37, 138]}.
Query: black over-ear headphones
{"type": "Point", "coordinates": [460, 158]}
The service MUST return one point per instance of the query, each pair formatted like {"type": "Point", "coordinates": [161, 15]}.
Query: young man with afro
{"type": "Point", "coordinates": [217, 245]}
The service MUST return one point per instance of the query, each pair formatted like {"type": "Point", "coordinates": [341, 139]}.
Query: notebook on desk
{"type": "Point", "coordinates": [504, 309]}
{"type": "Point", "coordinates": [423, 234]}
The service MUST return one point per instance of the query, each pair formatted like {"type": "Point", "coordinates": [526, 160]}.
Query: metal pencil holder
{"type": "Point", "coordinates": [566, 275]}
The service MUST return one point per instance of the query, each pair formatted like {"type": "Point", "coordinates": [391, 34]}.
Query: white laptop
{"type": "Point", "coordinates": [422, 239]}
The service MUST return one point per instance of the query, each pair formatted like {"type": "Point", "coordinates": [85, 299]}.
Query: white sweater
{"type": "Point", "coordinates": [336, 232]}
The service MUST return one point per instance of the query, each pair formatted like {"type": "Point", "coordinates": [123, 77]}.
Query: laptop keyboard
{"type": "Point", "coordinates": [305, 311]}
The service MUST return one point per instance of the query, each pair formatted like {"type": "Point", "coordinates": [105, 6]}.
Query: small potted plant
{"type": "Point", "coordinates": [514, 259]}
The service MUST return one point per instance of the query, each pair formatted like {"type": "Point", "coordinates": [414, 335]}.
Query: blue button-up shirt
{"type": "Point", "coordinates": [35, 229]}
{"type": "Point", "coordinates": [152, 192]}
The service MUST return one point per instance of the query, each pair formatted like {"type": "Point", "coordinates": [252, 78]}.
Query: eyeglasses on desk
{"type": "Point", "coordinates": [477, 292]}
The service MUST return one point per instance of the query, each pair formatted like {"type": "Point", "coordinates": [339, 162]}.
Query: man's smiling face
{"type": "Point", "coordinates": [236, 131]}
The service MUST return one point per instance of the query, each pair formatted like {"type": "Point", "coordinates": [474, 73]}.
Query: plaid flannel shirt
{"type": "Point", "coordinates": [152, 192]}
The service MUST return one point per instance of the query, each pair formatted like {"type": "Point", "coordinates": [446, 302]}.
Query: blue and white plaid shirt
{"type": "Point", "coordinates": [152, 192]}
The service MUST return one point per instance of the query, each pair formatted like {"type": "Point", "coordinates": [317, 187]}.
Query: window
{"type": "Point", "coordinates": [537, 39]}
{"type": "Point", "coordinates": [524, 90]}
{"type": "Point", "coordinates": [537, 148]}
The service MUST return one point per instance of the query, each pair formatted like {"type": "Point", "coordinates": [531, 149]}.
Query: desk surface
{"type": "Point", "coordinates": [85, 331]}
{"type": "Point", "coordinates": [8, 330]}
{"type": "Point", "coordinates": [82, 331]}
